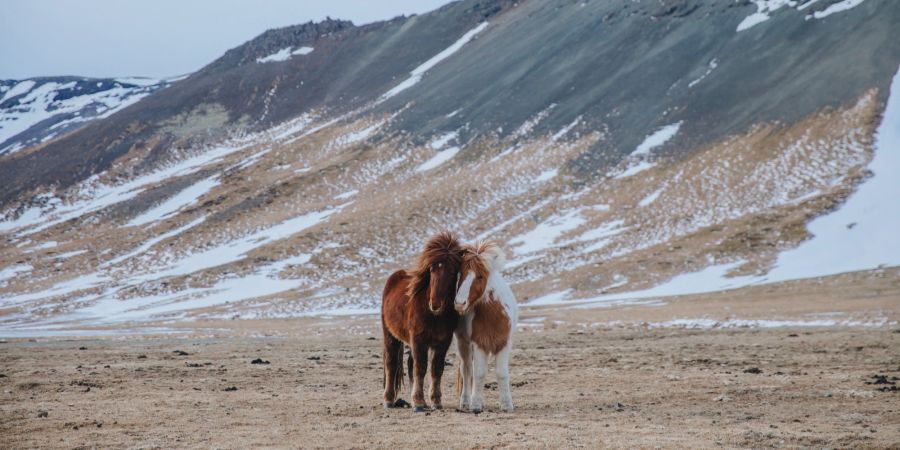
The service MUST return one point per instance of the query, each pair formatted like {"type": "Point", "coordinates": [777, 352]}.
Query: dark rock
{"type": "Point", "coordinates": [883, 379]}
{"type": "Point", "coordinates": [259, 361]}
{"type": "Point", "coordinates": [181, 353]}
{"type": "Point", "coordinates": [43, 414]}
{"type": "Point", "coordinates": [230, 389]}
{"type": "Point", "coordinates": [753, 370]}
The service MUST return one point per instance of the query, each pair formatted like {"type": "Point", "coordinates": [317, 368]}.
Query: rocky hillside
{"type": "Point", "coordinates": [37, 110]}
{"type": "Point", "coordinates": [610, 146]}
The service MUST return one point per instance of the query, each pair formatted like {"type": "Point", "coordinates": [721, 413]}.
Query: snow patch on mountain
{"type": "Point", "coordinates": [417, 73]}
{"type": "Point", "coordinates": [152, 242]}
{"type": "Point", "coordinates": [71, 102]}
{"type": "Point", "coordinates": [233, 250]}
{"type": "Point", "coordinates": [657, 138]}
{"type": "Point", "coordinates": [652, 197]}
{"type": "Point", "coordinates": [442, 140]}
{"type": "Point", "coordinates": [713, 64]}
{"type": "Point", "coordinates": [438, 159]}
{"type": "Point", "coordinates": [763, 9]}
{"type": "Point", "coordinates": [862, 233]}
{"type": "Point", "coordinates": [20, 88]}
{"type": "Point", "coordinates": [637, 161]}
{"type": "Point", "coordinates": [180, 200]}
{"type": "Point", "coordinates": [8, 273]}
{"type": "Point", "coordinates": [284, 54]}
{"type": "Point", "coordinates": [546, 175]}
{"type": "Point", "coordinates": [634, 169]}
{"type": "Point", "coordinates": [766, 7]}
{"type": "Point", "coordinates": [546, 234]}
{"type": "Point", "coordinates": [836, 8]}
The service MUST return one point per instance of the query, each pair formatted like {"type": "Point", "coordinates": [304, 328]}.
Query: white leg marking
{"type": "Point", "coordinates": [480, 368]}
{"type": "Point", "coordinates": [465, 367]}
{"type": "Point", "coordinates": [502, 369]}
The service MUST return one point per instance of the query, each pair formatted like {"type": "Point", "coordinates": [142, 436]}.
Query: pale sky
{"type": "Point", "coordinates": [156, 38]}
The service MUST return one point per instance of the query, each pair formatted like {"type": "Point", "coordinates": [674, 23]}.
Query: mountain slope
{"type": "Point", "coordinates": [348, 67]}
{"type": "Point", "coordinates": [610, 146]}
{"type": "Point", "coordinates": [37, 110]}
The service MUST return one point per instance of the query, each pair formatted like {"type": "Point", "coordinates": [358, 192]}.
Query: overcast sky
{"type": "Point", "coordinates": [156, 38]}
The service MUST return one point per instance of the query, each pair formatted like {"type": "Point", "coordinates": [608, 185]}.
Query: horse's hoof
{"type": "Point", "coordinates": [438, 407]}
{"type": "Point", "coordinates": [476, 411]}
{"type": "Point", "coordinates": [419, 409]}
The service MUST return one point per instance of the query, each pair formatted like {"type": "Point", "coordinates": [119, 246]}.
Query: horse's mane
{"type": "Point", "coordinates": [490, 253]}
{"type": "Point", "coordinates": [443, 246]}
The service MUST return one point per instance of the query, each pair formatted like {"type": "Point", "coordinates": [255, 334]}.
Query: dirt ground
{"type": "Point", "coordinates": [598, 377]}
{"type": "Point", "coordinates": [610, 388]}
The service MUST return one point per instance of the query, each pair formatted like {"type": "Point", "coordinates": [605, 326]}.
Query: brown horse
{"type": "Point", "coordinates": [417, 309]}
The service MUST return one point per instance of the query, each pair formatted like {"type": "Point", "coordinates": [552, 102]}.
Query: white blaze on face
{"type": "Point", "coordinates": [462, 296]}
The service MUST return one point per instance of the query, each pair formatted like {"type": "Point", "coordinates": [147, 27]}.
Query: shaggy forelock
{"type": "Point", "coordinates": [473, 259]}
{"type": "Point", "coordinates": [442, 247]}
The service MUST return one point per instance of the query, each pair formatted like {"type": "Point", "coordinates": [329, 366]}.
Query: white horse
{"type": "Point", "coordinates": [489, 313]}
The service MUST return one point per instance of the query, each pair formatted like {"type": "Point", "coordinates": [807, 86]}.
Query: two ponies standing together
{"type": "Point", "coordinates": [453, 290]}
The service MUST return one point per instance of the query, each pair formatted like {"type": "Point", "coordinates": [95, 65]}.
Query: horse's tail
{"type": "Point", "coordinates": [398, 370]}
{"type": "Point", "coordinates": [409, 366]}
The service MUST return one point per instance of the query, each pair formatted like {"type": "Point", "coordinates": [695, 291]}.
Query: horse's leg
{"type": "Point", "coordinates": [393, 368]}
{"type": "Point", "coordinates": [479, 369]}
{"type": "Point", "coordinates": [463, 370]}
{"type": "Point", "coordinates": [438, 356]}
{"type": "Point", "coordinates": [469, 381]}
{"type": "Point", "coordinates": [502, 369]}
{"type": "Point", "coordinates": [420, 366]}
